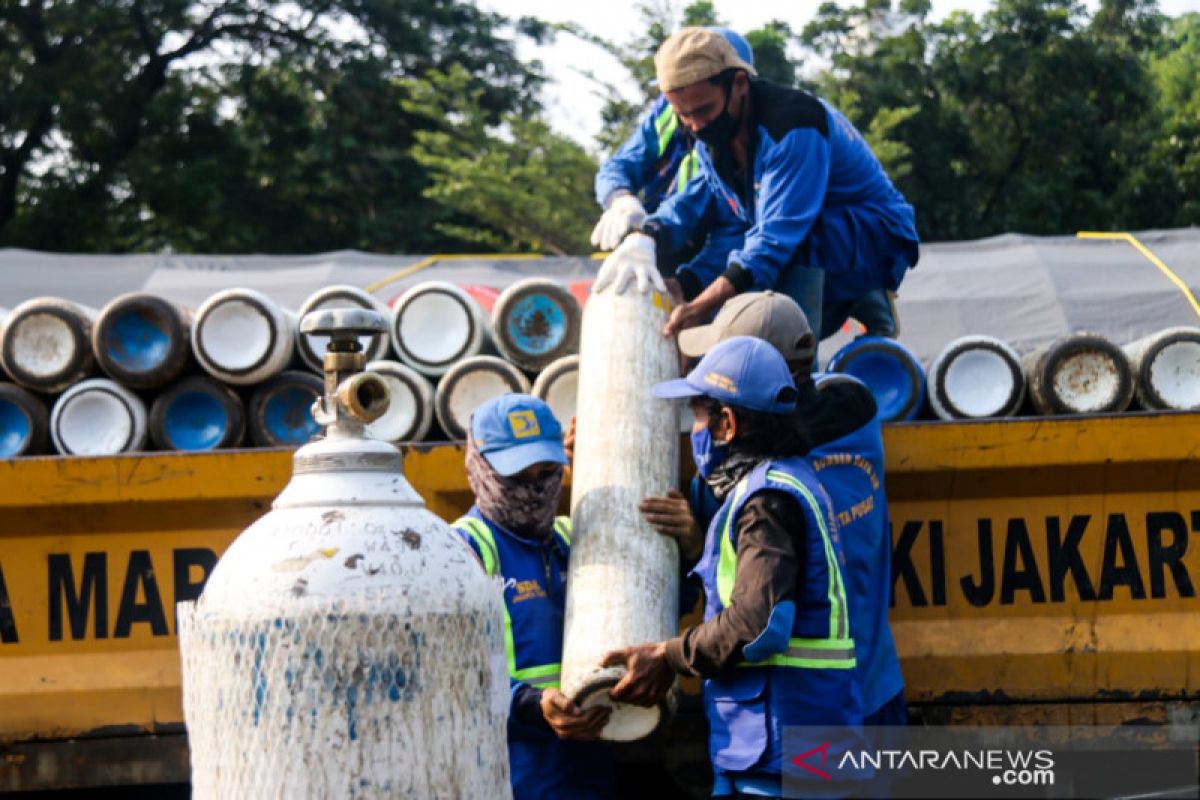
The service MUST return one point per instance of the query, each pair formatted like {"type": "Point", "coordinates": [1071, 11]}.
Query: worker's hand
{"type": "Point", "coordinates": [623, 215]}
{"type": "Point", "coordinates": [568, 721]}
{"type": "Point", "coordinates": [634, 260]}
{"type": "Point", "coordinates": [685, 315]}
{"type": "Point", "coordinates": [569, 442]}
{"type": "Point", "coordinates": [648, 676]}
{"type": "Point", "coordinates": [698, 311]}
{"type": "Point", "coordinates": [672, 516]}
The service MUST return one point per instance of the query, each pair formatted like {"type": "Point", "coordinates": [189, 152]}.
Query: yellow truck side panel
{"type": "Point", "coordinates": [1035, 562]}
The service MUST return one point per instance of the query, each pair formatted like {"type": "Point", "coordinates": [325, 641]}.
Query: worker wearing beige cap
{"type": "Point", "coordinates": [812, 199]}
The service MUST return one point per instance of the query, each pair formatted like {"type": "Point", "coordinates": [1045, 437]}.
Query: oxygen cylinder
{"type": "Point", "coordinates": [975, 377]}
{"type": "Point", "coordinates": [279, 413]}
{"type": "Point", "coordinates": [46, 344]}
{"type": "Point", "coordinates": [558, 386]}
{"type": "Point", "coordinates": [196, 414]}
{"type": "Point", "coordinates": [347, 644]}
{"type": "Point", "coordinates": [312, 348]}
{"type": "Point", "coordinates": [534, 322]}
{"type": "Point", "coordinates": [1081, 373]}
{"type": "Point", "coordinates": [436, 325]}
{"type": "Point", "coordinates": [243, 337]}
{"type": "Point", "coordinates": [142, 341]}
{"type": "Point", "coordinates": [23, 422]}
{"type": "Point", "coordinates": [410, 410]}
{"type": "Point", "coordinates": [468, 384]}
{"type": "Point", "coordinates": [1166, 369]}
{"type": "Point", "coordinates": [98, 417]}
{"type": "Point", "coordinates": [624, 586]}
{"type": "Point", "coordinates": [890, 371]}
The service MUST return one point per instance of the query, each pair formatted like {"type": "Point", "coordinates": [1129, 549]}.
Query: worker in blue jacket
{"type": "Point", "coordinates": [810, 196]}
{"type": "Point", "coordinates": [847, 455]}
{"type": "Point", "coordinates": [775, 646]}
{"type": "Point", "coordinates": [514, 465]}
{"type": "Point", "coordinates": [655, 162]}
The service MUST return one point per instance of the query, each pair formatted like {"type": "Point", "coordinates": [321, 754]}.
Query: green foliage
{"type": "Point", "coordinates": [1031, 117]}
{"type": "Point", "coordinates": [235, 124]}
{"type": "Point", "coordinates": [771, 59]}
{"type": "Point", "coordinates": [524, 186]}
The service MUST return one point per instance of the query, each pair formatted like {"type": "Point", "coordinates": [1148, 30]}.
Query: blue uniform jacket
{"type": "Point", "coordinates": [816, 196]}
{"type": "Point", "coordinates": [542, 766]}
{"type": "Point", "coordinates": [642, 163]}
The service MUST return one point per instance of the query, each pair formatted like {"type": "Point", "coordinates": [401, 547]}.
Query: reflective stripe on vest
{"type": "Point", "coordinates": [665, 126]}
{"type": "Point", "coordinates": [688, 169]}
{"type": "Point", "coordinates": [834, 652]}
{"type": "Point", "coordinates": [540, 675]}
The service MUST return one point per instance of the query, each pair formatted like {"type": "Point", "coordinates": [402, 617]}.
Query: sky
{"type": "Point", "coordinates": [573, 104]}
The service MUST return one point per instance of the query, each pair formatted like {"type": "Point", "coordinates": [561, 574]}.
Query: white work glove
{"type": "Point", "coordinates": [633, 260]}
{"type": "Point", "coordinates": [624, 215]}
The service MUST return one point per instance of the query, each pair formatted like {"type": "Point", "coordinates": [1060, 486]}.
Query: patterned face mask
{"type": "Point", "coordinates": [522, 506]}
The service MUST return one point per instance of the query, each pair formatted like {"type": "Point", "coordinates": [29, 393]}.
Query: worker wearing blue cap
{"type": "Point", "coordinates": [775, 644]}
{"type": "Point", "coordinates": [514, 463]}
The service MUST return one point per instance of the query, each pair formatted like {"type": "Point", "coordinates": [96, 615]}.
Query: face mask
{"type": "Point", "coordinates": [720, 132]}
{"type": "Point", "coordinates": [707, 454]}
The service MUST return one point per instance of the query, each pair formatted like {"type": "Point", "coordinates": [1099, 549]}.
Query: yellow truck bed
{"type": "Point", "coordinates": [1042, 572]}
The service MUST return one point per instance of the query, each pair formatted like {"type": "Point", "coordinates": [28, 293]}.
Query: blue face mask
{"type": "Point", "coordinates": [707, 454]}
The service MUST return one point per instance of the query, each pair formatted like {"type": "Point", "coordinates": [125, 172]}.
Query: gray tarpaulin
{"type": "Point", "coordinates": [1024, 289]}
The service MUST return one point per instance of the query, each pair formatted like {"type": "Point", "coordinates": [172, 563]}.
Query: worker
{"type": "Point", "coordinates": [842, 420]}
{"type": "Point", "coordinates": [812, 199]}
{"type": "Point", "coordinates": [656, 161]}
{"type": "Point", "coordinates": [775, 643]}
{"type": "Point", "coordinates": [514, 465]}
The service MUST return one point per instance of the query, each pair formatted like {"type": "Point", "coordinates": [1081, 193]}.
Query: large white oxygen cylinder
{"type": "Point", "coordinates": [46, 344]}
{"type": "Point", "coordinates": [976, 377]}
{"type": "Point", "coordinates": [347, 645]}
{"type": "Point", "coordinates": [1166, 369]}
{"type": "Point", "coordinates": [243, 337]}
{"type": "Point", "coordinates": [1081, 373]}
{"type": "Point", "coordinates": [312, 348]}
{"type": "Point", "coordinates": [624, 586]}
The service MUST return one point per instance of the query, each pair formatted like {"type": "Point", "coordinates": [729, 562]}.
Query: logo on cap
{"type": "Point", "coordinates": [524, 424]}
{"type": "Point", "coordinates": [721, 382]}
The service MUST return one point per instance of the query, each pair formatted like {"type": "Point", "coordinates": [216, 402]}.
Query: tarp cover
{"type": "Point", "coordinates": [1026, 290]}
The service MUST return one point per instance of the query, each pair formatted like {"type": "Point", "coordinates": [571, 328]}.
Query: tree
{"type": "Point", "coordinates": [526, 184]}
{"type": "Point", "coordinates": [233, 124]}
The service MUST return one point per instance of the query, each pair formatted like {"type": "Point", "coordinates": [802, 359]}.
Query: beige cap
{"type": "Point", "coordinates": [768, 315]}
{"type": "Point", "coordinates": [692, 55]}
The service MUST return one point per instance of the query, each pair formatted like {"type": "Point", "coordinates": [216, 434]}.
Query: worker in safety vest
{"type": "Point", "coordinates": [514, 465]}
{"type": "Point", "coordinates": [775, 644]}
{"type": "Point", "coordinates": [847, 455]}
{"type": "Point", "coordinates": [813, 201]}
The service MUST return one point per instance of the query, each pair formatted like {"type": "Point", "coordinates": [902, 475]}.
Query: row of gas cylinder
{"type": "Point", "coordinates": [238, 369]}
{"type": "Point", "coordinates": [980, 377]}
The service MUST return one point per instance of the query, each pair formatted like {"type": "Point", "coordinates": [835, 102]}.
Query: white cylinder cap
{"type": "Point", "coordinates": [98, 417]}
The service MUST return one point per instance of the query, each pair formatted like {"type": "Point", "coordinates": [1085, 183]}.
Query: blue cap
{"type": "Point", "coordinates": [516, 431]}
{"type": "Point", "coordinates": [740, 45]}
{"type": "Point", "coordinates": [740, 371]}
